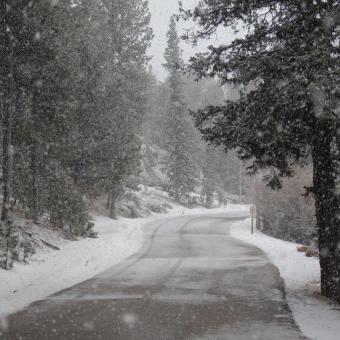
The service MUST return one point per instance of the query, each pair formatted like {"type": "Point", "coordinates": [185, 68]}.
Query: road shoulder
{"type": "Point", "coordinates": [317, 318]}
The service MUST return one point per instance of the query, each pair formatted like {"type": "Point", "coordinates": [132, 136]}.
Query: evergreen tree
{"type": "Point", "coordinates": [130, 37]}
{"type": "Point", "coordinates": [210, 181]}
{"type": "Point", "coordinates": [8, 244]}
{"type": "Point", "coordinates": [154, 122]}
{"type": "Point", "coordinates": [86, 54]}
{"type": "Point", "coordinates": [12, 51]}
{"type": "Point", "coordinates": [221, 175]}
{"type": "Point", "coordinates": [288, 66]}
{"type": "Point", "coordinates": [44, 107]}
{"type": "Point", "coordinates": [46, 95]}
{"type": "Point", "coordinates": [72, 90]}
{"type": "Point", "coordinates": [182, 170]}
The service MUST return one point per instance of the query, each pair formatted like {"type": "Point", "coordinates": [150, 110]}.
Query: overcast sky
{"type": "Point", "coordinates": [161, 11]}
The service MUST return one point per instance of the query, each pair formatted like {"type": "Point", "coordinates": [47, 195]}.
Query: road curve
{"type": "Point", "coordinates": [191, 280]}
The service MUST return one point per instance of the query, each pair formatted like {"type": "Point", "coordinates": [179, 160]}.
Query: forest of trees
{"type": "Point", "coordinates": [73, 78]}
{"type": "Point", "coordinates": [286, 61]}
{"type": "Point", "coordinates": [78, 101]}
{"type": "Point", "coordinates": [287, 214]}
{"type": "Point", "coordinates": [190, 164]}
{"type": "Point", "coordinates": [72, 96]}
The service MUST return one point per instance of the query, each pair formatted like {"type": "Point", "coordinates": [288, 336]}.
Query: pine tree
{"type": "Point", "coordinates": [86, 53]}
{"type": "Point", "coordinates": [153, 124]}
{"type": "Point", "coordinates": [182, 170]}
{"type": "Point", "coordinates": [210, 181]}
{"type": "Point", "coordinates": [288, 66]}
{"type": "Point", "coordinates": [35, 128]}
{"type": "Point", "coordinates": [11, 47]}
{"type": "Point", "coordinates": [9, 242]}
{"type": "Point", "coordinates": [130, 37]}
{"type": "Point", "coordinates": [47, 94]}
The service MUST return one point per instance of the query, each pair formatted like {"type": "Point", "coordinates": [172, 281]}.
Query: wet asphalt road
{"type": "Point", "coordinates": [191, 280]}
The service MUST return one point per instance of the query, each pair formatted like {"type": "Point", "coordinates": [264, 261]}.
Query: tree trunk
{"type": "Point", "coordinates": [7, 150]}
{"type": "Point", "coordinates": [77, 170]}
{"type": "Point", "coordinates": [5, 164]}
{"type": "Point", "coordinates": [108, 202]}
{"type": "Point", "coordinates": [116, 190]}
{"type": "Point", "coordinates": [209, 200]}
{"type": "Point", "coordinates": [34, 193]}
{"type": "Point", "coordinates": [112, 209]}
{"type": "Point", "coordinates": [327, 205]}
{"type": "Point", "coordinates": [177, 196]}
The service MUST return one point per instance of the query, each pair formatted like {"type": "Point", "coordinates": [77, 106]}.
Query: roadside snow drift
{"type": "Point", "coordinates": [74, 263]}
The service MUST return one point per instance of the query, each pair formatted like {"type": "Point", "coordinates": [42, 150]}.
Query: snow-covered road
{"type": "Point", "coordinates": [190, 280]}
{"type": "Point", "coordinates": [50, 271]}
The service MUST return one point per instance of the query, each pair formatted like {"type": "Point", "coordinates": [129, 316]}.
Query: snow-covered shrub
{"type": "Point", "coordinates": [14, 245]}
{"type": "Point", "coordinates": [9, 241]}
{"type": "Point", "coordinates": [66, 206]}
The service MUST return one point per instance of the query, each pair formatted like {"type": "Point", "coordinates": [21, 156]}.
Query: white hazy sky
{"type": "Point", "coordinates": [161, 11]}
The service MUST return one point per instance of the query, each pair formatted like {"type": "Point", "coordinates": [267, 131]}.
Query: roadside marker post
{"type": "Point", "coordinates": [252, 212]}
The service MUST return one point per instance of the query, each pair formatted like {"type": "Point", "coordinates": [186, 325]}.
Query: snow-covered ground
{"type": "Point", "coordinates": [317, 318]}
{"type": "Point", "coordinates": [50, 271]}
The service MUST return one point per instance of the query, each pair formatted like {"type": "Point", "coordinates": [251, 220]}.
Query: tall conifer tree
{"type": "Point", "coordinates": [182, 170]}
{"type": "Point", "coordinates": [288, 62]}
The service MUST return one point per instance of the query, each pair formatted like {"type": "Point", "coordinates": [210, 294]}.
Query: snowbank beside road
{"type": "Point", "coordinates": [317, 318]}
{"type": "Point", "coordinates": [75, 262]}
{"type": "Point", "coordinates": [230, 208]}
